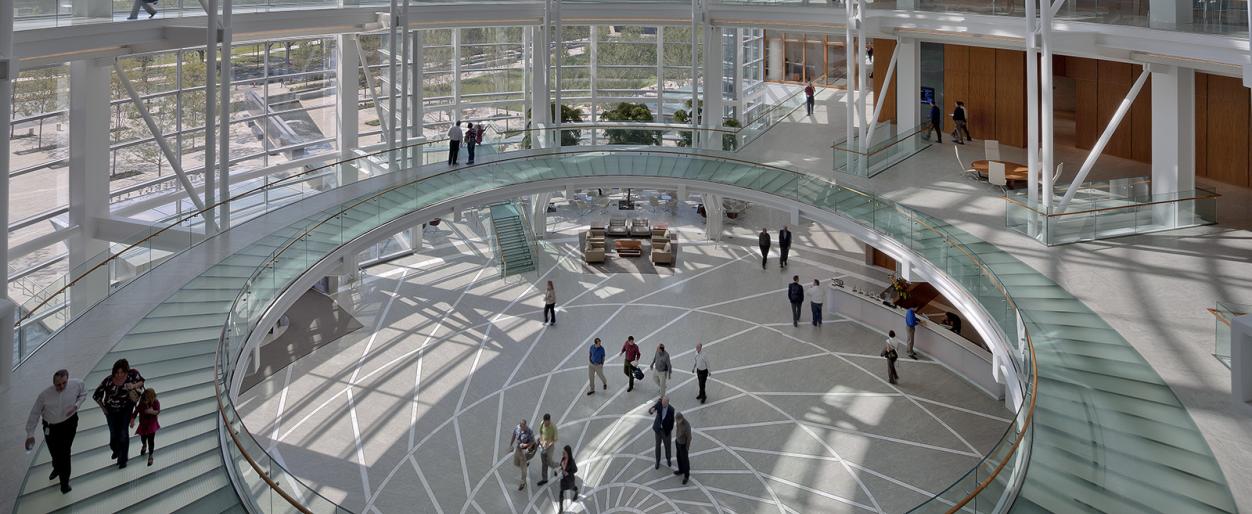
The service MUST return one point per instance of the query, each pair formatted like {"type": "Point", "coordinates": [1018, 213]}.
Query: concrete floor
{"type": "Point", "coordinates": [1153, 289]}
{"type": "Point", "coordinates": [413, 413]}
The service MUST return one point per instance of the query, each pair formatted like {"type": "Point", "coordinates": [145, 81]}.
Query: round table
{"type": "Point", "coordinates": [1013, 171]}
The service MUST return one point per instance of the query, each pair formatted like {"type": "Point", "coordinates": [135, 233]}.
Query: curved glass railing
{"type": "Point", "coordinates": [49, 309]}
{"type": "Point", "coordinates": [989, 487]}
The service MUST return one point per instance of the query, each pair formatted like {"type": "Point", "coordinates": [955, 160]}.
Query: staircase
{"type": "Point", "coordinates": [511, 239]}
{"type": "Point", "coordinates": [173, 347]}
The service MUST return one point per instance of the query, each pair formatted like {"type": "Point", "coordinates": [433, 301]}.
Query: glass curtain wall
{"type": "Point", "coordinates": [38, 175]}
{"type": "Point", "coordinates": [810, 57]}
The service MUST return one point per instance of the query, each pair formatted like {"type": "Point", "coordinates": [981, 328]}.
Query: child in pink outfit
{"type": "Point", "coordinates": [146, 412]}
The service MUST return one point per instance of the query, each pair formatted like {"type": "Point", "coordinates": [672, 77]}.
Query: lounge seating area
{"type": "Point", "coordinates": [659, 245]}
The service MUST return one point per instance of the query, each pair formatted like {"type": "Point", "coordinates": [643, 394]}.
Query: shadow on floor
{"type": "Point", "coordinates": [316, 320]}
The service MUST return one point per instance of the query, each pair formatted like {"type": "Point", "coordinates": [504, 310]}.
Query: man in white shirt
{"type": "Point", "coordinates": [454, 143]}
{"type": "Point", "coordinates": [57, 407]}
{"type": "Point", "coordinates": [816, 297]}
{"type": "Point", "coordinates": [702, 370]}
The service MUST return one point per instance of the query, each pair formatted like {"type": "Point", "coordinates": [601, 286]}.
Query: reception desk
{"type": "Point", "coordinates": [932, 339]}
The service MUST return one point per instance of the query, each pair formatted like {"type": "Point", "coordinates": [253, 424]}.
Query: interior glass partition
{"type": "Point", "coordinates": [1109, 208]}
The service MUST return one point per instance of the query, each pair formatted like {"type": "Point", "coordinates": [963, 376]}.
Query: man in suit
{"type": "Point", "coordinates": [763, 238]}
{"type": "Point", "coordinates": [682, 442]}
{"type": "Point", "coordinates": [784, 246]}
{"type": "Point", "coordinates": [795, 295]}
{"type": "Point", "coordinates": [662, 427]}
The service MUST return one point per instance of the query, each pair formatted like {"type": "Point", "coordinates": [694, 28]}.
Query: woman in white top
{"type": "Point", "coordinates": [549, 303]}
{"type": "Point", "coordinates": [889, 351]}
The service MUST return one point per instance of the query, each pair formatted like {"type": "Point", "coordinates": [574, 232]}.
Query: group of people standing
{"type": "Point", "coordinates": [123, 399]}
{"type": "Point", "coordinates": [472, 136]}
{"type": "Point", "coordinates": [784, 246]}
{"type": "Point", "coordinates": [960, 118]}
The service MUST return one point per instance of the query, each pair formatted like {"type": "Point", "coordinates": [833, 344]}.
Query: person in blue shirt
{"type": "Point", "coordinates": [911, 322]}
{"type": "Point", "coordinates": [595, 366]}
{"type": "Point", "coordinates": [936, 123]}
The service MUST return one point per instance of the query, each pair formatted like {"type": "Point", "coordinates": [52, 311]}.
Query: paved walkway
{"type": "Point", "coordinates": [1152, 289]}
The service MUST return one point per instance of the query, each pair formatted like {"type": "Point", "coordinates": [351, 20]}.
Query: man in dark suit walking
{"type": "Point", "coordinates": [662, 427]}
{"type": "Point", "coordinates": [682, 443]}
{"type": "Point", "coordinates": [795, 295]}
{"type": "Point", "coordinates": [763, 239]}
{"type": "Point", "coordinates": [784, 246]}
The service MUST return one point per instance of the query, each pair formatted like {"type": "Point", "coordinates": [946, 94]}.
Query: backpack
{"type": "Point", "coordinates": [478, 134]}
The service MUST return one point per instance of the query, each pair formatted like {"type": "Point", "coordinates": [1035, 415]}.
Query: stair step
{"type": "Point", "coordinates": [218, 497]}
{"type": "Point", "coordinates": [124, 488]}
{"type": "Point", "coordinates": [179, 406]}
{"type": "Point", "coordinates": [165, 360]}
{"type": "Point", "coordinates": [168, 337]}
{"type": "Point", "coordinates": [174, 443]}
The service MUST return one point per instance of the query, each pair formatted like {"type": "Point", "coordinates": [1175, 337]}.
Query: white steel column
{"type": "Point", "coordinates": [392, 71]}
{"type": "Point", "coordinates": [7, 308]}
{"type": "Point", "coordinates": [88, 179]}
{"type": "Point", "coordinates": [1173, 134]}
{"type": "Point", "coordinates": [660, 68]}
{"type": "Point", "coordinates": [347, 88]}
{"type": "Point", "coordinates": [594, 82]}
{"type": "Point", "coordinates": [862, 76]}
{"type": "Point", "coordinates": [223, 180]}
{"type": "Point", "coordinates": [1032, 102]}
{"type": "Point", "coordinates": [418, 95]}
{"type": "Point", "coordinates": [210, 114]}
{"type": "Point", "coordinates": [1045, 104]}
{"type": "Point", "coordinates": [738, 95]}
{"type": "Point", "coordinates": [456, 75]}
{"type": "Point", "coordinates": [850, 68]}
{"type": "Point", "coordinates": [85, 8]}
{"type": "Point", "coordinates": [697, 22]}
{"type": "Point", "coordinates": [1168, 14]}
{"type": "Point", "coordinates": [774, 53]}
{"type": "Point", "coordinates": [557, 40]}
{"type": "Point", "coordinates": [540, 99]}
{"type": "Point", "coordinates": [405, 53]}
{"type": "Point", "coordinates": [908, 82]}
{"type": "Point", "coordinates": [714, 54]}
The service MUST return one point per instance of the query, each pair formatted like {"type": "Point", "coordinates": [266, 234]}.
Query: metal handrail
{"type": "Point", "coordinates": [1208, 195]}
{"type": "Point", "coordinates": [1033, 390]}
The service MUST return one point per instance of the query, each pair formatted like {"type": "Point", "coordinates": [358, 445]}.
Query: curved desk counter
{"type": "Point", "coordinates": [1109, 434]}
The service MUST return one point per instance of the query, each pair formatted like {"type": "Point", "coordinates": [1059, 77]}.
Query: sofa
{"type": "Point", "coordinates": [639, 227]}
{"type": "Point", "coordinates": [663, 253]}
{"type": "Point", "coordinates": [593, 251]}
{"type": "Point", "coordinates": [617, 227]}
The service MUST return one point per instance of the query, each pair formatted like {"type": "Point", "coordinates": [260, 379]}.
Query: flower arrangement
{"type": "Point", "coordinates": [900, 287]}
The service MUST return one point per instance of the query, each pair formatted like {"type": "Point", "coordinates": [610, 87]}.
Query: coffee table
{"type": "Point", "coordinates": [628, 247]}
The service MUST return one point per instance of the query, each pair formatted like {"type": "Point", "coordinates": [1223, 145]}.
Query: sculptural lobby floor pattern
{"type": "Point", "coordinates": [413, 413]}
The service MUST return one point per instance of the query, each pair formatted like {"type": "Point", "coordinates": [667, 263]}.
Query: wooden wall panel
{"type": "Point", "coordinates": [883, 49]}
{"type": "Point", "coordinates": [1083, 71]}
{"type": "Point", "coordinates": [955, 80]}
{"type": "Point", "coordinates": [1201, 124]}
{"type": "Point", "coordinates": [1227, 130]}
{"type": "Point", "coordinates": [1113, 82]}
{"type": "Point", "coordinates": [1010, 94]}
{"type": "Point", "coordinates": [981, 100]}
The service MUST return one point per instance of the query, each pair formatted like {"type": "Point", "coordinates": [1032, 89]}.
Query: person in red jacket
{"type": "Point", "coordinates": [809, 91]}
{"type": "Point", "coordinates": [631, 351]}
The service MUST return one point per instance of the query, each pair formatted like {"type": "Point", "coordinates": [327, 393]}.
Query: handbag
{"type": "Point", "coordinates": [638, 372]}
{"type": "Point", "coordinates": [892, 355]}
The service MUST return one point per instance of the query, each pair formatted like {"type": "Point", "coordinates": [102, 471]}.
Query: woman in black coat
{"type": "Point", "coordinates": [568, 469]}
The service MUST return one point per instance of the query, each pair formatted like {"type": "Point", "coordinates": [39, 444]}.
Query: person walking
{"type": "Point", "coordinates": [57, 408]}
{"type": "Point", "coordinates": [784, 246]}
{"type": "Point", "coordinates": [547, 446]}
{"type": "Point", "coordinates": [701, 370]}
{"type": "Point", "coordinates": [568, 481]}
{"type": "Point", "coordinates": [816, 297]}
{"type": "Point", "coordinates": [147, 5]}
{"type": "Point", "coordinates": [117, 395]}
{"type": "Point", "coordinates": [595, 367]}
{"type": "Point", "coordinates": [959, 117]}
{"type": "Point", "coordinates": [795, 295]}
{"type": "Point", "coordinates": [661, 369]}
{"type": "Point", "coordinates": [470, 140]}
{"type": "Point", "coordinates": [809, 91]}
{"type": "Point", "coordinates": [662, 428]}
{"type": "Point", "coordinates": [631, 351]}
{"type": "Point", "coordinates": [889, 351]}
{"type": "Point", "coordinates": [763, 240]}
{"type": "Point", "coordinates": [682, 444]}
{"type": "Point", "coordinates": [910, 323]}
{"type": "Point", "coordinates": [522, 444]}
{"type": "Point", "coordinates": [936, 123]}
{"type": "Point", "coordinates": [549, 303]}
{"type": "Point", "coordinates": [454, 143]}
{"type": "Point", "coordinates": [146, 412]}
